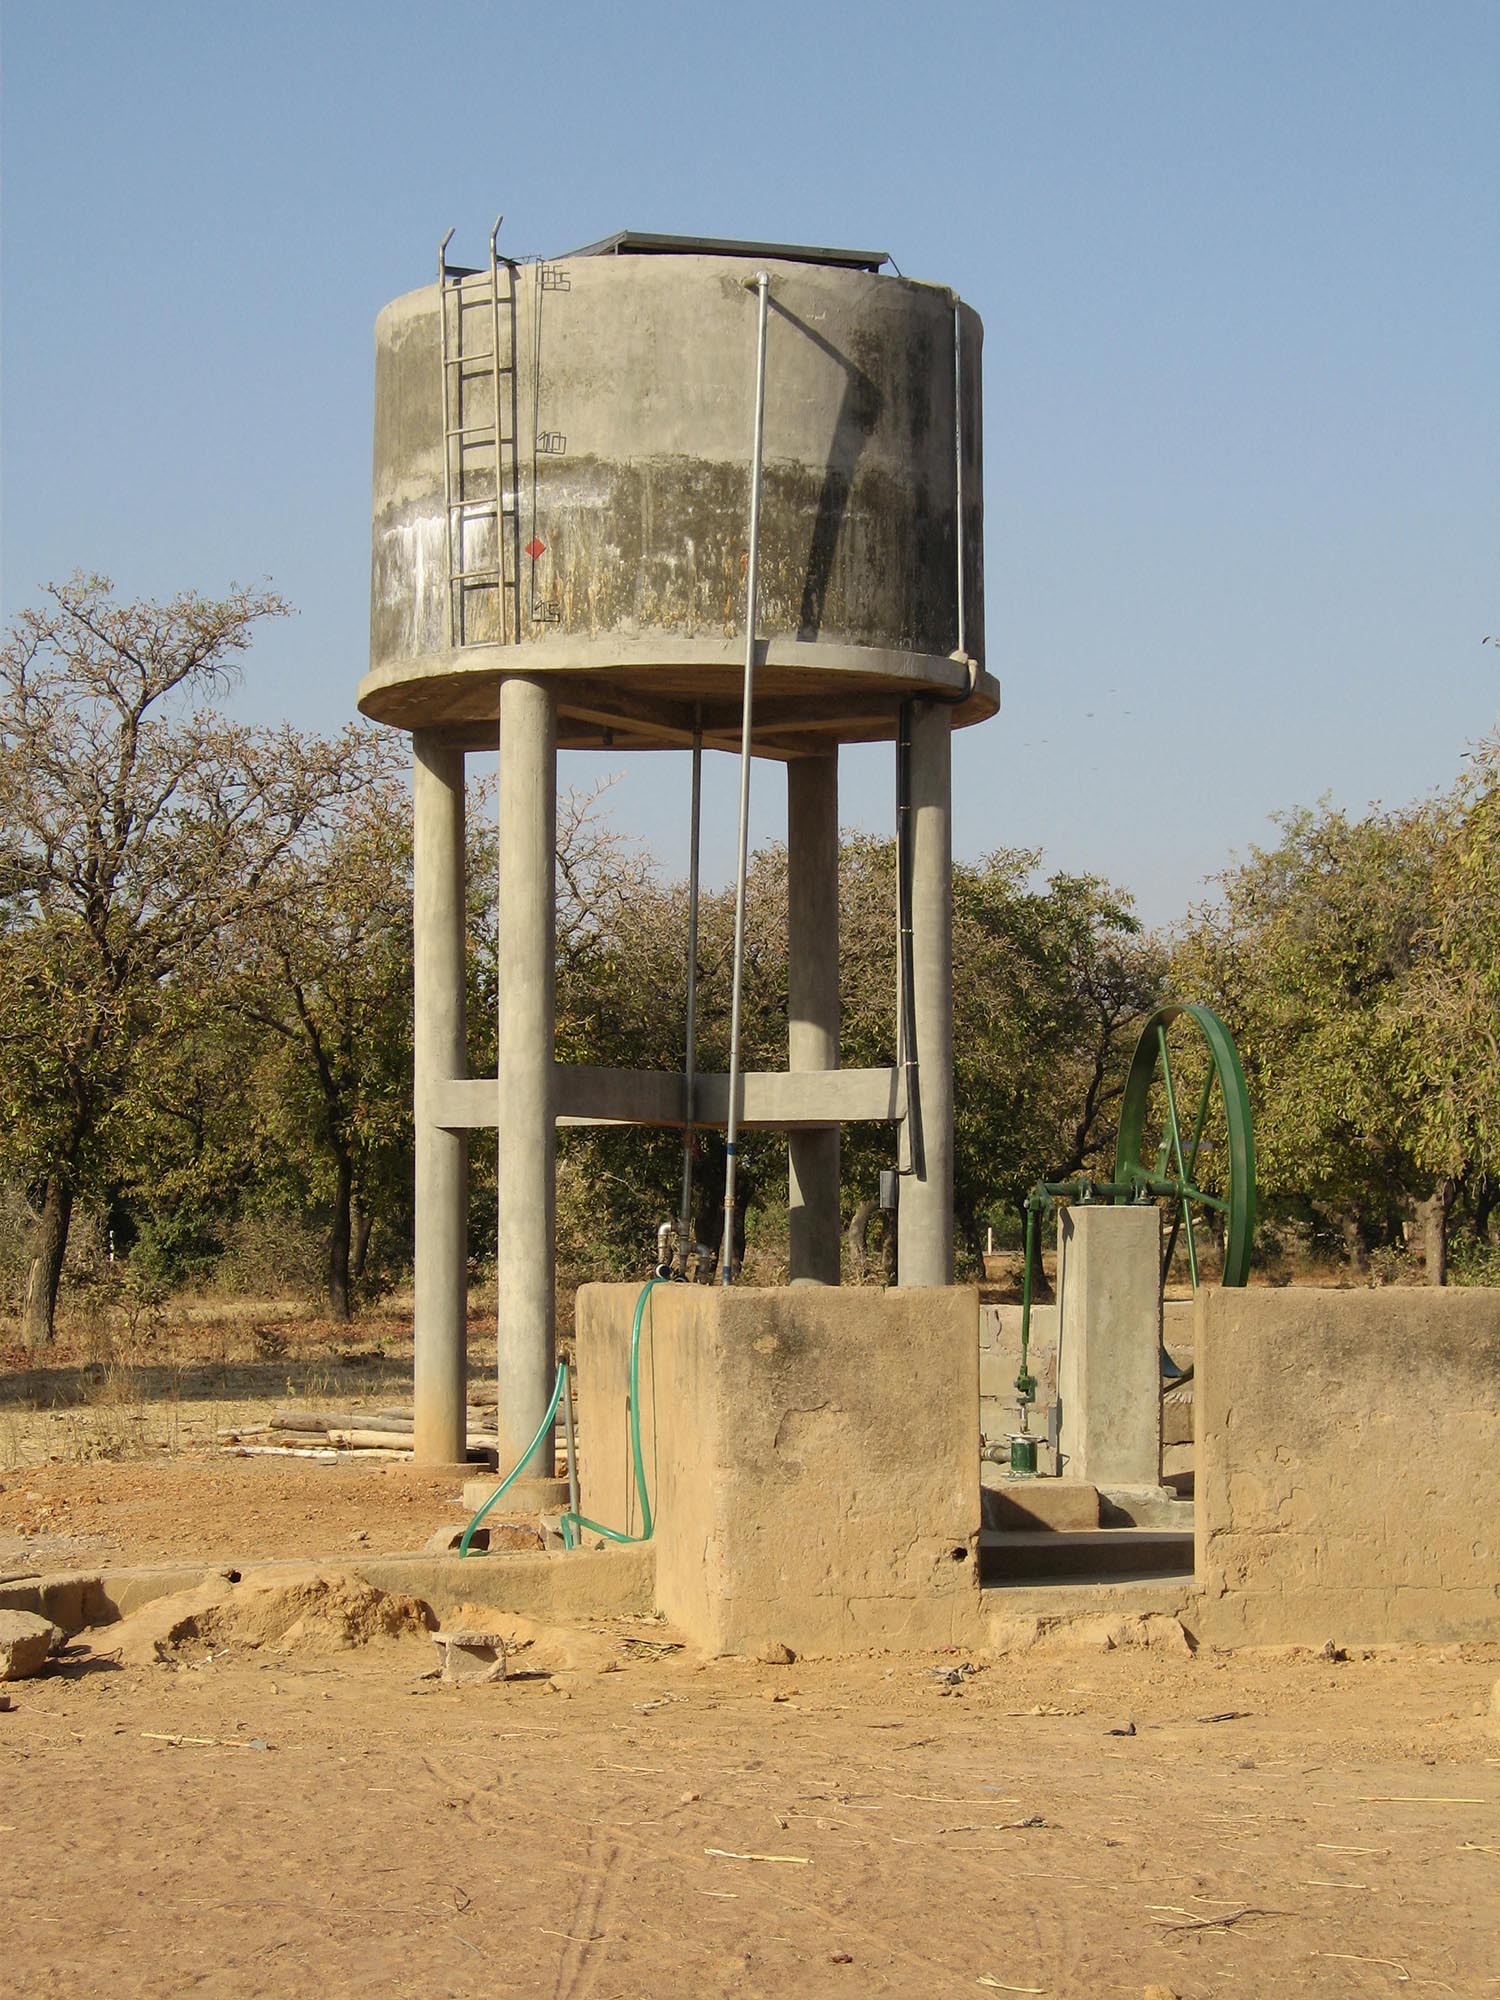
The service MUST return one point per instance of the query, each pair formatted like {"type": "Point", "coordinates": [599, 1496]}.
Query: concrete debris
{"type": "Point", "coordinates": [775, 1654]}
{"type": "Point", "coordinates": [26, 1642]}
{"type": "Point", "coordinates": [954, 1676]}
{"type": "Point", "coordinates": [470, 1656]}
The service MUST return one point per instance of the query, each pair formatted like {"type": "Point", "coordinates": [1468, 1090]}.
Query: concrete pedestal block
{"type": "Point", "coordinates": [1058, 1505]}
{"type": "Point", "coordinates": [1109, 1366]}
{"type": "Point", "coordinates": [810, 1459]}
{"type": "Point", "coordinates": [527, 1496]}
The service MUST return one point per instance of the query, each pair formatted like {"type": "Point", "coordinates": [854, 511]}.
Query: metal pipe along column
{"type": "Point", "coordinates": [924, 1221]}
{"type": "Point", "coordinates": [761, 285]}
{"type": "Point", "coordinates": [527, 1211]}
{"type": "Point", "coordinates": [813, 1006]}
{"type": "Point", "coordinates": [442, 1159]}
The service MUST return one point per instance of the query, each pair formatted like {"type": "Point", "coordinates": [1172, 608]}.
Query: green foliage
{"type": "Point", "coordinates": [1356, 962]}
{"type": "Point", "coordinates": [1310, 956]}
{"type": "Point", "coordinates": [145, 832]}
{"type": "Point", "coordinates": [206, 971]}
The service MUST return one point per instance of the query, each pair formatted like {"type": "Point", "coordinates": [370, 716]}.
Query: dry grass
{"type": "Point", "coordinates": [137, 1381]}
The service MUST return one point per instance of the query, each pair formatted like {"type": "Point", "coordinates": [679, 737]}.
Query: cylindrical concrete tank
{"type": "Point", "coordinates": [615, 556]}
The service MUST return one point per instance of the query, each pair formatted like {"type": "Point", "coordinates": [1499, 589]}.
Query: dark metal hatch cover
{"type": "Point", "coordinates": [641, 243]}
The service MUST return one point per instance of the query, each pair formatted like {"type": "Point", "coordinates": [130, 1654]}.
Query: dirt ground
{"type": "Point", "coordinates": [222, 1509]}
{"type": "Point", "coordinates": [671, 1828]}
{"type": "Point", "coordinates": [290, 1817]}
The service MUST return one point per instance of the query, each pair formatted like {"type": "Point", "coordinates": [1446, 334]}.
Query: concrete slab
{"type": "Point", "coordinates": [1135, 1597]}
{"type": "Point", "coordinates": [1036, 1504]}
{"type": "Point", "coordinates": [1145, 1507]}
{"type": "Point", "coordinates": [555, 1587]}
{"type": "Point", "coordinates": [526, 1497]}
{"type": "Point", "coordinates": [1085, 1553]}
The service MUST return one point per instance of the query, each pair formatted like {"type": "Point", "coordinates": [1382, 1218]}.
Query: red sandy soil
{"type": "Point", "coordinates": [1275, 1824]}
{"type": "Point", "coordinates": [214, 1509]}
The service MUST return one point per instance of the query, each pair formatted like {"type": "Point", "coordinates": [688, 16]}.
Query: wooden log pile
{"type": "Point", "coordinates": [331, 1434]}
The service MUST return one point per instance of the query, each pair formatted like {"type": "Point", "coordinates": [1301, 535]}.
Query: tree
{"type": "Point", "coordinates": [141, 823]}
{"type": "Point", "coordinates": [1312, 953]}
{"type": "Point", "coordinates": [1048, 982]}
{"type": "Point", "coordinates": [1442, 1036]}
{"type": "Point", "coordinates": [323, 967]}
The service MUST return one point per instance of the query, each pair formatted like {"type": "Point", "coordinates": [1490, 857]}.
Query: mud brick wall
{"type": "Point", "coordinates": [1348, 1466]}
{"type": "Point", "coordinates": [811, 1453]}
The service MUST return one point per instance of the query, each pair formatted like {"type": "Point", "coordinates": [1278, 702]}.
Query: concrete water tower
{"type": "Point", "coordinates": [670, 493]}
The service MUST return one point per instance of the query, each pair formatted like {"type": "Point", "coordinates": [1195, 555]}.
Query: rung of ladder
{"type": "Point", "coordinates": [489, 576]}
{"type": "Point", "coordinates": [478, 430]}
{"type": "Point", "coordinates": [485, 502]}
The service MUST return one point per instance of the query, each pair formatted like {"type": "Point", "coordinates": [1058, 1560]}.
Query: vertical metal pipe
{"type": "Point", "coordinates": [906, 1034]}
{"type": "Point", "coordinates": [571, 1442]}
{"type": "Point", "coordinates": [440, 1315]}
{"type": "Point", "coordinates": [752, 611]}
{"type": "Point", "coordinates": [686, 1234]}
{"type": "Point", "coordinates": [450, 420]}
{"type": "Point", "coordinates": [958, 465]}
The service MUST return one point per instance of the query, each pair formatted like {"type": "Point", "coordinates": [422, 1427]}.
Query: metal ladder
{"type": "Point", "coordinates": [480, 472]}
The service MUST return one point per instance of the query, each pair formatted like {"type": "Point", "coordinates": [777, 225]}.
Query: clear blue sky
{"type": "Point", "coordinates": [1237, 267]}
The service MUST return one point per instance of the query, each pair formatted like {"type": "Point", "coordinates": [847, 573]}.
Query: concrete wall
{"type": "Point", "coordinates": [1348, 1466]}
{"type": "Point", "coordinates": [810, 1453]}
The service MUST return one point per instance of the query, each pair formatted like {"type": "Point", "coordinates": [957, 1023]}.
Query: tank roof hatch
{"type": "Point", "coordinates": [641, 243]}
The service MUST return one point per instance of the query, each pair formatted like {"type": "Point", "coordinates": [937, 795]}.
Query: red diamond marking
{"type": "Point", "coordinates": [534, 548]}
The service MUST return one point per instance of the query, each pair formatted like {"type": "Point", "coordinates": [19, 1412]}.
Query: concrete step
{"type": "Point", "coordinates": [1142, 1507]}
{"type": "Point", "coordinates": [1177, 1459]}
{"type": "Point", "coordinates": [1021, 1555]}
{"type": "Point", "coordinates": [1038, 1504]}
{"type": "Point", "coordinates": [1003, 1602]}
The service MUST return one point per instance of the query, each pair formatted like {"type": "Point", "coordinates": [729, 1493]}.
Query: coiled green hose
{"type": "Point", "coordinates": [571, 1522]}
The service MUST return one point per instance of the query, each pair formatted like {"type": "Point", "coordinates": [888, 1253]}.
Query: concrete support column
{"type": "Point", "coordinates": [924, 1220]}
{"type": "Point", "coordinates": [524, 1263]}
{"type": "Point", "coordinates": [812, 790]}
{"type": "Point", "coordinates": [442, 1157]}
{"type": "Point", "coordinates": [1109, 1340]}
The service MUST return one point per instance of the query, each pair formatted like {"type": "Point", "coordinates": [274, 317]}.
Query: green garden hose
{"type": "Point", "coordinates": [558, 1388]}
{"type": "Point", "coordinates": [571, 1521]}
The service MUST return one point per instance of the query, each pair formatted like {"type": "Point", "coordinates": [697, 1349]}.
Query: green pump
{"type": "Point", "coordinates": [1205, 1172]}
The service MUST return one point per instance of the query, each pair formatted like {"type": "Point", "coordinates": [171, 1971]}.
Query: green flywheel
{"type": "Point", "coordinates": [1200, 1169]}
